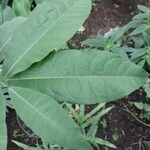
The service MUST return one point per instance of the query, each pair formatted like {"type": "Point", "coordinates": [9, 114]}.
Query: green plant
{"type": "Point", "coordinates": [138, 35]}
{"type": "Point", "coordinates": [38, 77]}
{"type": "Point", "coordinates": [132, 38]}
{"type": "Point", "coordinates": [131, 41]}
{"type": "Point", "coordinates": [46, 147]}
{"type": "Point", "coordinates": [89, 122]}
{"type": "Point", "coordinates": [111, 41]}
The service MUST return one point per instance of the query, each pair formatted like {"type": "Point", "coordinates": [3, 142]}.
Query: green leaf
{"type": "Point", "coordinates": [3, 3]}
{"type": "Point", "coordinates": [141, 63]}
{"type": "Point", "coordinates": [38, 1]}
{"type": "Point", "coordinates": [3, 130]}
{"type": "Point", "coordinates": [139, 41]}
{"type": "Point", "coordinates": [25, 147]}
{"type": "Point", "coordinates": [139, 16]}
{"type": "Point", "coordinates": [21, 7]}
{"type": "Point", "coordinates": [1, 14]}
{"type": "Point", "coordinates": [138, 53]}
{"type": "Point", "coordinates": [2, 82]}
{"type": "Point", "coordinates": [87, 76]}
{"type": "Point", "coordinates": [147, 115]}
{"type": "Point", "coordinates": [147, 37]}
{"type": "Point", "coordinates": [47, 119]}
{"type": "Point", "coordinates": [48, 27]}
{"type": "Point", "coordinates": [99, 41]}
{"type": "Point", "coordinates": [147, 107]}
{"type": "Point", "coordinates": [144, 9]}
{"type": "Point", "coordinates": [118, 33]}
{"type": "Point", "coordinates": [97, 117]}
{"type": "Point", "coordinates": [103, 142]}
{"type": "Point", "coordinates": [139, 105]}
{"type": "Point", "coordinates": [140, 29]}
{"type": "Point", "coordinates": [8, 14]}
{"type": "Point", "coordinates": [147, 88]}
{"type": "Point", "coordinates": [7, 30]}
{"type": "Point", "coordinates": [134, 24]}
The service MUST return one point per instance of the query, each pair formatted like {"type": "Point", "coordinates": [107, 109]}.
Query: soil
{"type": "Point", "coordinates": [107, 14]}
{"type": "Point", "coordinates": [122, 128]}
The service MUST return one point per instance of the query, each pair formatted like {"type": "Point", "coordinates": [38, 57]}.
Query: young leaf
{"type": "Point", "coordinates": [139, 105]}
{"type": "Point", "coordinates": [47, 119]}
{"type": "Point", "coordinates": [104, 142]}
{"type": "Point", "coordinates": [139, 16]}
{"type": "Point", "coordinates": [99, 41]}
{"type": "Point", "coordinates": [144, 9]}
{"type": "Point", "coordinates": [48, 27]}
{"type": "Point", "coordinates": [118, 33]}
{"type": "Point", "coordinates": [133, 24]}
{"type": "Point", "coordinates": [87, 76]}
{"type": "Point", "coordinates": [140, 29]}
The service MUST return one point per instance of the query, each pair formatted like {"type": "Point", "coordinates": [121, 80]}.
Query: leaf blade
{"type": "Point", "coordinates": [87, 76]}
{"type": "Point", "coordinates": [7, 30]}
{"type": "Point", "coordinates": [53, 122]}
{"type": "Point", "coordinates": [55, 21]}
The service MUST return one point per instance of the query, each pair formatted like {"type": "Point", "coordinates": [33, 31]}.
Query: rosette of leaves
{"type": "Point", "coordinates": [38, 77]}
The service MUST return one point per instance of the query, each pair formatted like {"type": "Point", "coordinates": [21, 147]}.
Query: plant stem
{"type": "Point", "coordinates": [96, 109]}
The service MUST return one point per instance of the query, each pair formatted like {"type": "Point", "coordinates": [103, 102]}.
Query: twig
{"type": "Point", "coordinates": [127, 110]}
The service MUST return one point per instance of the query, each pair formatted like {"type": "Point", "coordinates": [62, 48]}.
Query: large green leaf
{"type": "Point", "coordinates": [48, 27]}
{"type": "Point", "coordinates": [87, 76]}
{"type": "Point", "coordinates": [47, 119]}
{"type": "Point", "coordinates": [7, 30]}
{"type": "Point", "coordinates": [3, 130]}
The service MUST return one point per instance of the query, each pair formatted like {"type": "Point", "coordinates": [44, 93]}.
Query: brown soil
{"type": "Point", "coordinates": [128, 131]}
{"type": "Point", "coordinates": [18, 131]}
{"type": "Point", "coordinates": [107, 14]}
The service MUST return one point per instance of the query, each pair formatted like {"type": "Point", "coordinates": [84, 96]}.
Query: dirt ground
{"type": "Point", "coordinates": [122, 128]}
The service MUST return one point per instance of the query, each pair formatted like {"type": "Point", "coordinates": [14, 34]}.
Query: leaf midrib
{"type": "Point", "coordinates": [51, 123]}
{"type": "Point", "coordinates": [44, 78]}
